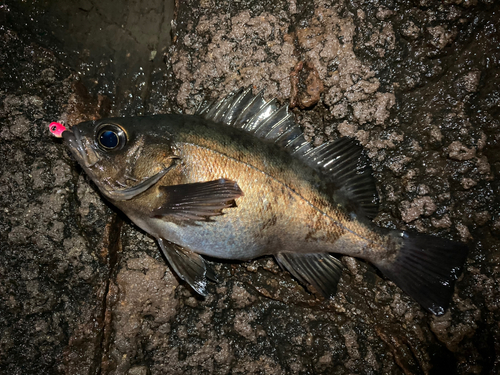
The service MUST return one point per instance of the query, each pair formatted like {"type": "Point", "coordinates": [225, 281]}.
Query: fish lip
{"type": "Point", "coordinates": [73, 138]}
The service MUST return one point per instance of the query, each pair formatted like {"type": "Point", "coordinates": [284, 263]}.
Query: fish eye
{"type": "Point", "coordinates": [110, 137]}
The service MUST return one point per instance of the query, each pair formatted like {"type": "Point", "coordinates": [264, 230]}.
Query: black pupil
{"type": "Point", "coordinates": [109, 139]}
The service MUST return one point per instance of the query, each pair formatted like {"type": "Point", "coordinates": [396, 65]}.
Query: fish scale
{"type": "Point", "coordinates": [256, 184]}
{"type": "Point", "coordinates": [238, 180]}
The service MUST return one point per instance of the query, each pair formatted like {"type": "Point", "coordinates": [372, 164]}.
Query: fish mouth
{"type": "Point", "coordinates": [76, 144]}
{"type": "Point", "coordinates": [82, 150]}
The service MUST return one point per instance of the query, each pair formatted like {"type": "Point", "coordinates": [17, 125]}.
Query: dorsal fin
{"type": "Point", "coordinates": [342, 161]}
{"type": "Point", "coordinates": [349, 168]}
{"type": "Point", "coordinates": [250, 112]}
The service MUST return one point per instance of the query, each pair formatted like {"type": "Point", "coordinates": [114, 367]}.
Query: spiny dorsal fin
{"type": "Point", "coordinates": [250, 112]}
{"type": "Point", "coordinates": [342, 160]}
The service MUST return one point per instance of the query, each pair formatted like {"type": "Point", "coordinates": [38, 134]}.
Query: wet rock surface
{"type": "Point", "coordinates": [83, 291]}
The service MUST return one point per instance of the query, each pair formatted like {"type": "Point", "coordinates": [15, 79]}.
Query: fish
{"type": "Point", "coordinates": [238, 180]}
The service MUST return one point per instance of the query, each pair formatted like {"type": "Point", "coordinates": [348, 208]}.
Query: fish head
{"type": "Point", "coordinates": [123, 156]}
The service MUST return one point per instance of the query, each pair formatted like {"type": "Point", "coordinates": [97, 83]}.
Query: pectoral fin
{"type": "Point", "coordinates": [197, 201]}
{"type": "Point", "coordinates": [188, 265]}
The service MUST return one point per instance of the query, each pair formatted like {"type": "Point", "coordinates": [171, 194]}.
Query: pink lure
{"type": "Point", "coordinates": [57, 129]}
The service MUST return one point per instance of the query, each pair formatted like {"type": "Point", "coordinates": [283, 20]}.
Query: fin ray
{"type": "Point", "coordinates": [321, 270]}
{"type": "Point", "coordinates": [189, 266]}
{"type": "Point", "coordinates": [426, 268]}
{"type": "Point", "coordinates": [197, 201]}
{"type": "Point", "coordinates": [342, 161]}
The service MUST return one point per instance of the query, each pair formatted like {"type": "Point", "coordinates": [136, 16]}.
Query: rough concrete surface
{"type": "Point", "coordinates": [83, 291]}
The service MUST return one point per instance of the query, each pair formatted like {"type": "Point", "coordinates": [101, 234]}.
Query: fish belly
{"type": "Point", "coordinates": [280, 211]}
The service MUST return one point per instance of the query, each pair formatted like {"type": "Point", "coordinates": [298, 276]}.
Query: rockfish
{"type": "Point", "coordinates": [238, 181]}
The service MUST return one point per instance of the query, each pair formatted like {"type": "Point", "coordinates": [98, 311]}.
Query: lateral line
{"type": "Point", "coordinates": [282, 184]}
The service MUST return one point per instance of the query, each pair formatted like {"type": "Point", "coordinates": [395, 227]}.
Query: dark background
{"type": "Point", "coordinates": [82, 291]}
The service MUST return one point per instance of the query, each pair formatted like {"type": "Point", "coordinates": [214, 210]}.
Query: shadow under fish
{"type": "Point", "coordinates": [238, 180]}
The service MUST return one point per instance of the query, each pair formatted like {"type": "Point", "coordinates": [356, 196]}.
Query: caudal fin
{"type": "Point", "coordinates": [426, 268]}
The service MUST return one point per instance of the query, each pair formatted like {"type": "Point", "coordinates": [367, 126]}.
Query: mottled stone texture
{"type": "Point", "coordinates": [83, 291]}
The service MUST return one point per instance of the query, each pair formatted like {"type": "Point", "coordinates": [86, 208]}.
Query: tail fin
{"type": "Point", "coordinates": [426, 268]}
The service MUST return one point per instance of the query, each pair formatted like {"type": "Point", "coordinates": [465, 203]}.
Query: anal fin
{"type": "Point", "coordinates": [189, 266]}
{"type": "Point", "coordinates": [321, 270]}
